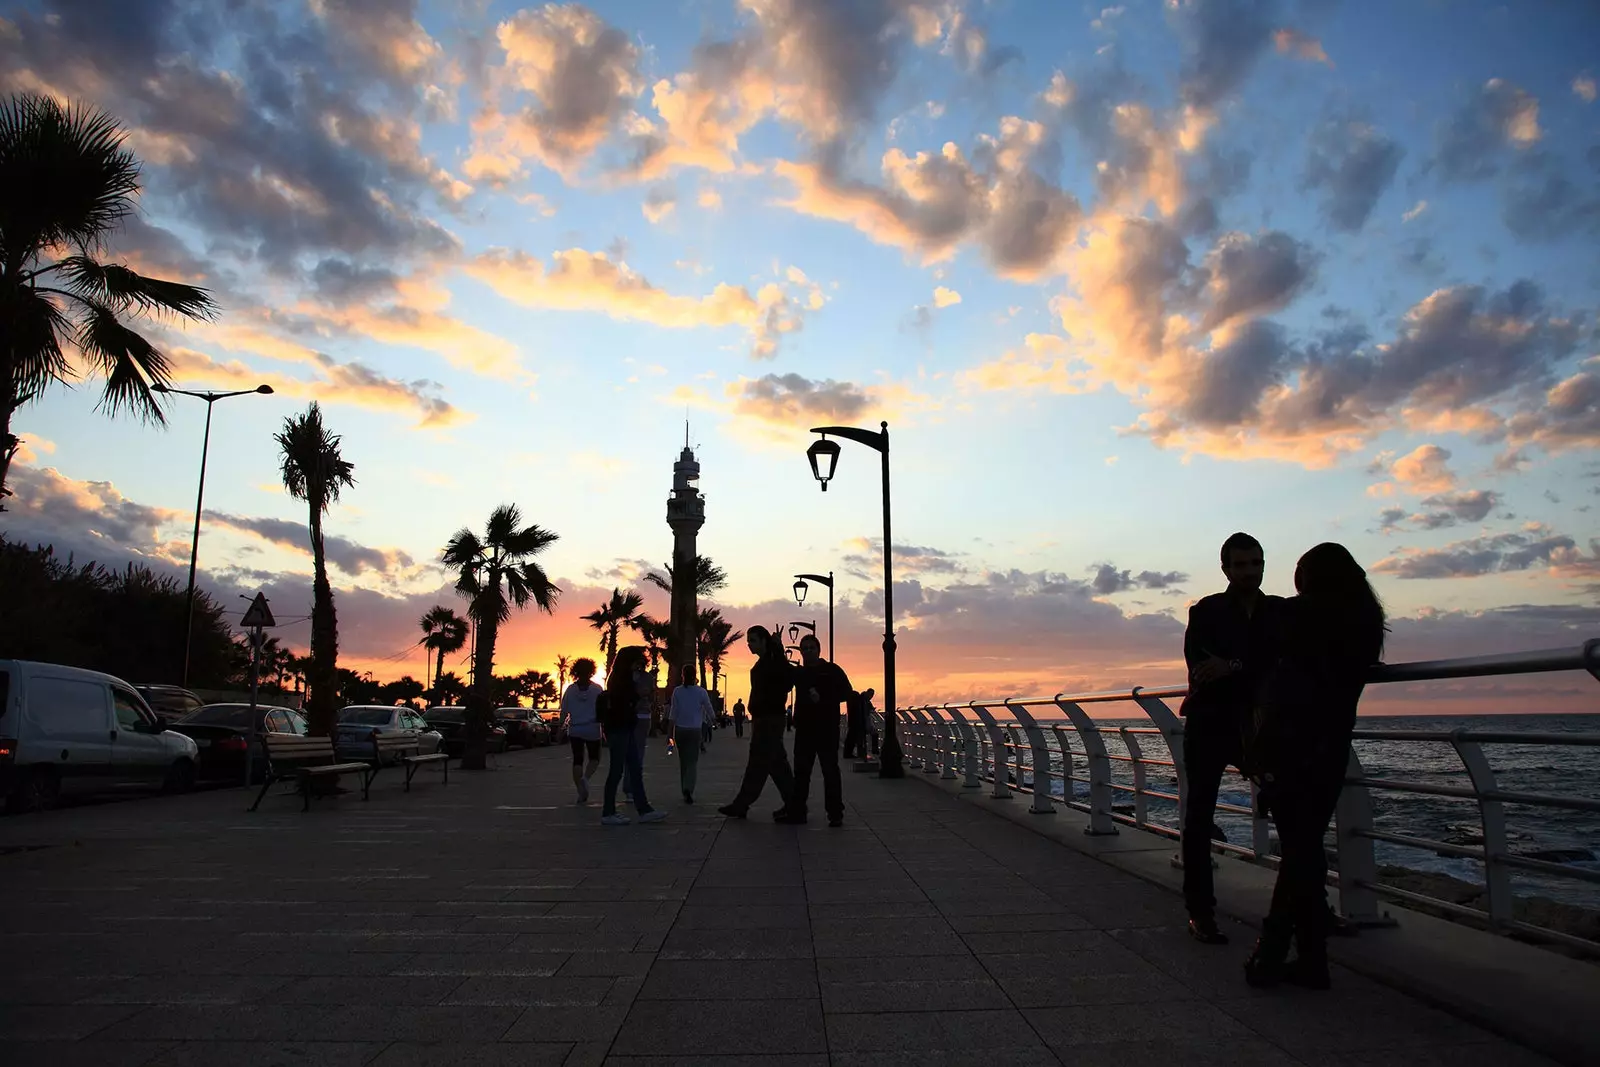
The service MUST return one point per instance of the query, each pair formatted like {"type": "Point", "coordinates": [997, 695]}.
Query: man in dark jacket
{"type": "Point", "coordinates": [819, 688]}
{"type": "Point", "coordinates": [1229, 648]}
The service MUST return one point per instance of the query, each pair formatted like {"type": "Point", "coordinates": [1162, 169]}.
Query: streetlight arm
{"type": "Point", "coordinates": [870, 438]}
{"type": "Point", "coordinates": [209, 397]}
{"type": "Point", "coordinates": [820, 579]}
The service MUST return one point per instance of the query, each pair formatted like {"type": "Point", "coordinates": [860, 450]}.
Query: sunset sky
{"type": "Point", "coordinates": [1122, 279]}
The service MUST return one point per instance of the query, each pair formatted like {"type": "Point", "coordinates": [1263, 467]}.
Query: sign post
{"type": "Point", "coordinates": [256, 618]}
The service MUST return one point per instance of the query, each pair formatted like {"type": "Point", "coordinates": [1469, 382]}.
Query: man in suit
{"type": "Point", "coordinates": [1229, 648]}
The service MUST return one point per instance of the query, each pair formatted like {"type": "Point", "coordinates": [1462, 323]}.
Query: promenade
{"type": "Point", "coordinates": [493, 922]}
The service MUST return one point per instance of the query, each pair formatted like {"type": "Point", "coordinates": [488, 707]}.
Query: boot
{"type": "Point", "coordinates": [1266, 967]}
{"type": "Point", "coordinates": [1309, 968]}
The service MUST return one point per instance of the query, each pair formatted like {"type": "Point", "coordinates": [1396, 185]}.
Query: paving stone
{"type": "Point", "coordinates": [724, 980]}
{"type": "Point", "coordinates": [511, 964]}
{"type": "Point", "coordinates": [429, 1023]}
{"type": "Point", "coordinates": [913, 994]}
{"type": "Point", "coordinates": [984, 1034]}
{"type": "Point", "coordinates": [743, 917]}
{"type": "Point", "coordinates": [749, 1026]}
{"type": "Point", "coordinates": [267, 1054]}
{"type": "Point", "coordinates": [812, 1060]}
{"type": "Point", "coordinates": [604, 964]}
{"type": "Point", "coordinates": [1189, 1021]}
{"type": "Point", "coordinates": [368, 989]}
{"type": "Point", "coordinates": [594, 1025]}
{"type": "Point", "coordinates": [87, 1053]}
{"type": "Point", "coordinates": [736, 945]}
{"type": "Point", "coordinates": [245, 1022]}
{"type": "Point", "coordinates": [412, 1054]}
{"type": "Point", "coordinates": [532, 992]}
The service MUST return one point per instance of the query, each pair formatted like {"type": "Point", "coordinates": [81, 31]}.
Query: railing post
{"type": "Point", "coordinates": [1141, 804]}
{"type": "Point", "coordinates": [1068, 768]}
{"type": "Point", "coordinates": [935, 729]}
{"type": "Point", "coordinates": [997, 742]}
{"type": "Point", "coordinates": [919, 739]}
{"type": "Point", "coordinates": [948, 730]}
{"type": "Point", "coordinates": [1100, 820]}
{"type": "Point", "coordinates": [973, 777]}
{"type": "Point", "coordinates": [1358, 865]}
{"type": "Point", "coordinates": [1496, 877]}
{"type": "Point", "coordinates": [1043, 793]}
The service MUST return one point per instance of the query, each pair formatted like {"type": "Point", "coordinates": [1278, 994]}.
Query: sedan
{"type": "Point", "coordinates": [352, 738]}
{"type": "Point", "coordinates": [451, 721]}
{"type": "Point", "coordinates": [523, 726]}
{"type": "Point", "coordinates": [558, 726]}
{"type": "Point", "coordinates": [171, 703]}
{"type": "Point", "coordinates": [222, 733]}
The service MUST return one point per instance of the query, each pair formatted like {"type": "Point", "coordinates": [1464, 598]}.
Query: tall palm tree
{"type": "Point", "coordinates": [719, 638]}
{"type": "Point", "coordinates": [443, 631]}
{"type": "Point", "coordinates": [657, 635]}
{"type": "Point", "coordinates": [610, 618]}
{"type": "Point", "coordinates": [708, 577]}
{"type": "Point", "coordinates": [66, 182]}
{"type": "Point", "coordinates": [495, 573]}
{"type": "Point", "coordinates": [315, 470]}
{"type": "Point", "coordinates": [563, 664]}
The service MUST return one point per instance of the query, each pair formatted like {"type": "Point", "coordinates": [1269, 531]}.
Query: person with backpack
{"type": "Point", "coordinates": [580, 716]}
{"type": "Point", "coordinates": [624, 734]}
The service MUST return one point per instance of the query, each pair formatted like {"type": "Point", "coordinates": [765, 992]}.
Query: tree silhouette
{"type": "Point", "coordinates": [443, 631]}
{"type": "Point", "coordinates": [609, 619]}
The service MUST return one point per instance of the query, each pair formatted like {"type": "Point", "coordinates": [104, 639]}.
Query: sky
{"type": "Point", "coordinates": [1121, 279]}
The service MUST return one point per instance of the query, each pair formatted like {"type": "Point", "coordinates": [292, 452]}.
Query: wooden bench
{"type": "Point", "coordinates": [405, 749]}
{"type": "Point", "coordinates": [306, 759]}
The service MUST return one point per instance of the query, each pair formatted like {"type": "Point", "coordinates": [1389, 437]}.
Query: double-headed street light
{"type": "Point", "coordinates": [194, 546]}
{"type": "Point", "coordinates": [824, 456]}
{"type": "Point", "coordinates": [800, 588]}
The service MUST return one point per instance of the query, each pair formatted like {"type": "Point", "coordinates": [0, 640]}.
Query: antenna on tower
{"type": "Point", "coordinates": [685, 433]}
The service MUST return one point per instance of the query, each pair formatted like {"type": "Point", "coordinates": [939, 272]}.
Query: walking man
{"type": "Point", "coordinates": [770, 681]}
{"type": "Point", "coordinates": [738, 718]}
{"type": "Point", "coordinates": [688, 716]}
{"type": "Point", "coordinates": [819, 688]}
{"type": "Point", "coordinates": [1228, 647]}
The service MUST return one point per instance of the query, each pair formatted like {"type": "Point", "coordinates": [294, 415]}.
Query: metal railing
{"type": "Point", "coordinates": [1008, 744]}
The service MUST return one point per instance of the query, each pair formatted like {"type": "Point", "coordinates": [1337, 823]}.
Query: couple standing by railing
{"type": "Point", "coordinates": [1274, 684]}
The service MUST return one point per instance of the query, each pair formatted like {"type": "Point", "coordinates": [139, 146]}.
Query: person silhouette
{"type": "Point", "coordinates": [771, 678]}
{"type": "Point", "coordinates": [819, 688]}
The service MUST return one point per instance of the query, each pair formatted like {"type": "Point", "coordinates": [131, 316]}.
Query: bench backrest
{"type": "Point", "coordinates": [287, 749]}
{"type": "Point", "coordinates": [387, 743]}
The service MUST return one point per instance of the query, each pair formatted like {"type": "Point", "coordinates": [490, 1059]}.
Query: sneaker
{"type": "Point", "coordinates": [732, 812]}
{"type": "Point", "coordinates": [688, 797]}
{"type": "Point", "coordinates": [1203, 928]}
{"type": "Point", "coordinates": [614, 820]}
{"type": "Point", "coordinates": [653, 816]}
{"type": "Point", "coordinates": [836, 820]}
{"type": "Point", "coordinates": [583, 791]}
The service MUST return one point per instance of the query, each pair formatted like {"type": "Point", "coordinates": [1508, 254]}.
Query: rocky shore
{"type": "Point", "coordinates": [1570, 919]}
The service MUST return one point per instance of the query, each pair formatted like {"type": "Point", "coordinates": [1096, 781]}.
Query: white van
{"type": "Point", "coordinates": [67, 730]}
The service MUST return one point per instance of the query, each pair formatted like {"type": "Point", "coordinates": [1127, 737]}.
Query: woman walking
{"type": "Point", "coordinates": [619, 714]}
{"type": "Point", "coordinates": [580, 713]}
{"type": "Point", "coordinates": [1300, 746]}
{"type": "Point", "coordinates": [770, 681]}
{"type": "Point", "coordinates": [690, 711]}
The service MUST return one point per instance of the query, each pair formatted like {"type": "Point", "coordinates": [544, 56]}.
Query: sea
{"type": "Point", "coordinates": [1570, 838]}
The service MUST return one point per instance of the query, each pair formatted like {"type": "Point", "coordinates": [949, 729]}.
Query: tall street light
{"type": "Point", "coordinates": [824, 456]}
{"type": "Point", "coordinates": [194, 545]}
{"type": "Point", "coordinates": [800, 588]}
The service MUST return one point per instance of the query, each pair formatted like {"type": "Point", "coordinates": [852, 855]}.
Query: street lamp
{"type": "Point", "coordinates": [800, 598]}
{"type": "Point", "coordinates": [824, 457]}
{"type": "Point", "coordinates": [194, 545]}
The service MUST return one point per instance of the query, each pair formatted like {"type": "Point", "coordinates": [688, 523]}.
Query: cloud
{"type": "Point", "coordinates": [1416, 210]}
{"type": "Point", "coordinates": [1041, 364]}
{"type": "Point", "coordinates": [1533, 546]}
{"type": "Point", "coordinates": [1248, 276]}
{"type": "Point", "coordinates": [864, 559]}
{"type": "Point", "coordinates": [350, 557]}
{"type": "Point", "coordinates": [1303, 46]}
{"type": "Point", "coordinates": [1425, 469]}
{"type": "Point", "coordinates": [1583, 87]}
{"type": "Point", "coordinates": [1222, 39]}
{"type": "Point", "coordinates": [578, 280]}
{"type": "Point", "coordinates": [1471, 144]}
{"type": "Point", "coordinates": [1471, 505]}
{"type": "Point", "coordinates": [91, 520]}
{"type": "Point", "coordinates": [1351, 164]}
{"type": "Point", "coordinates": [943, 298]}
{"type": "Point", "coordinates": [566, 79]}
{"type": "Point", "coordinates": [1541, 202]}
{"type": "Point", "coordinates": [709, 199]}
{"type": "Point", "coordinates": [1108, 579]}
{"type": "Point", "coordinates": [793, 399]}
{"type": "Point", "coordinates": [1568, 417]}
{"type": "Point", "coordinates": [658, 204]}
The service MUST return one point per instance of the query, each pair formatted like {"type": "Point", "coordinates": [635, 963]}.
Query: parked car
{"type": "Point", "coordinates": [169, 702]}
{"type": "Point", "coordinates": [352, 737]}
{"type": "Point", "coordinates": [223, 734]}
{"type": "Point", "coordinates": [450, 721]}
{"type": "Point", "coordinates": [523, 726]}
{"type": "Point", "coordinates": [64, 730]}
{"type": "Point", "coordinates": [558, 729]}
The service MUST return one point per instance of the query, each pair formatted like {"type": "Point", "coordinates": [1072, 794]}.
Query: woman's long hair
{"type": "Point", "coordinates": [1342, 611]}
{"type": "Point", "coordinates": [770, 649]}
{"type": "Point", "coordinates": [619, 683]}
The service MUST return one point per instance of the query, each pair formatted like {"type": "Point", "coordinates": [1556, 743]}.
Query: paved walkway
{"type": "Point", "coordinates": [493, 922]}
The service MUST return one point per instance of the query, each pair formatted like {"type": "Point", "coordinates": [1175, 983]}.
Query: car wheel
{"type": "Point", "coordinates": [180, 777]}
{"type": "Point", "coordinates": [39, 791]}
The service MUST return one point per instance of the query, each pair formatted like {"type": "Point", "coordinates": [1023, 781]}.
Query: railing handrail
{"type": "Point", "coordinates": [990, 736]}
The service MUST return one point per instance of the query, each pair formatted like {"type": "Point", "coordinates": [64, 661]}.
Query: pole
{"type": "Point", "coordinates": [890, 765]}
{"type": "Point", "coordinates": [830, 616]}
{"type": "Point", "coordinates": [194, 547]}
{"type": "Point", "coordinates": [257, 638]}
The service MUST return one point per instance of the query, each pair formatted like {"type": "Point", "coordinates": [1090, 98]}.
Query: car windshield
{"type": "Point", "coordinates": [366, 716]}
{"type": "Point", "coordinates": [221, 715]}
{"type": "Point", "coordinates": [445, 715]}
{"type": "Point", "coordinates": [513, 713]}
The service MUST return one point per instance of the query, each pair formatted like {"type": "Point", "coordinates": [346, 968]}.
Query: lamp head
{"type": "Point", "coordinates": [800, 588]}
{"type": "Point", "coordinates": [158, 387]}
{"type": "Point", "coordinates": [265, 390]}
{"type": "Point", "coordinates": [824, 456]}
{"type": "Point", "coordinates": [794, 633]}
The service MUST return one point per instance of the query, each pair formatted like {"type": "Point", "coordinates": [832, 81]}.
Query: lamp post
{"type": "Point", "coordinates": [800, 588]}
{"type": "Point", "coordinates": [824, 457]}
{"type": "Point", "coordinates": [194, 542]}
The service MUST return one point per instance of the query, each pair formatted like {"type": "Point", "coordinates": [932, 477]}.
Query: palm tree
{"type": "Point", "coordinates": [609, 619]}
{"type": "Point", "coordinates": [449, 688]}
{"type": "Point", "coordinates": [315, 471]}
{"type": "Point", "coordinates": [496, 573]}
{"type": "Point", "coordinates": [66, 183]}
{"type": "Point", "coordinates": [708, 577]}
{"type": "Point", "coordinates": [657, 635]}
{"type": "Point", "coordinates": [443, 631]}
{"type": "Point", "coordinates": [719, 638]}
{"type": "Point", "coordinates": [563, 664]}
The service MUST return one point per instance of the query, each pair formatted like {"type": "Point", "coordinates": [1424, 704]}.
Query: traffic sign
{"type": "Point", "coordinates": [258, 614]}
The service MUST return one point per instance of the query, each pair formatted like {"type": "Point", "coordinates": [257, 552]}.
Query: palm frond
{"type": "Point", "coordinates": [130, 363]}
{"type": "Point", "coordinates": [530, 582]}
{"type": "Point", "coordinates": [313, 468]}
{"type": "Point", "coordinates": [79, 180]}
{"type": "Point", "coordinates": [503, 523]}
{"type": "Point", "coordinates": [36, 326]}
{"type": "Point", "coordinates": [462, 550]}
{"type": "Point", "coordinates": [529, 541]}
{"type": "Point", "coordinates": [657, 580]}
{"type": "Point", "coordinates": [124, 289]}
